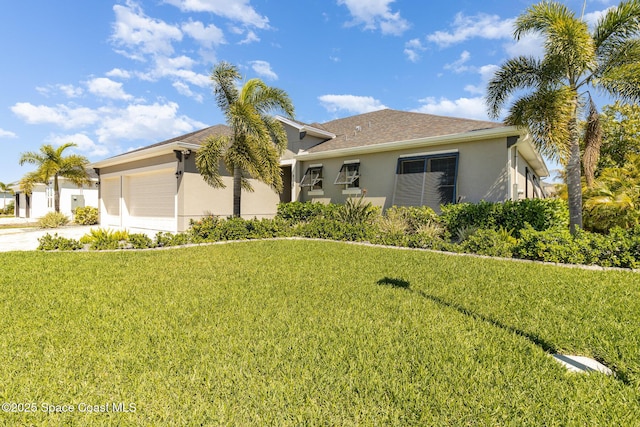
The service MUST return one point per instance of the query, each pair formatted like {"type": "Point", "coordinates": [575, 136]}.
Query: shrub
{"type": "Point", "coordinates": [105, 239]}
{"type": "Point", "coordinates": [301, 211]}
{"type": "Point", "coordinates": [324, 228]}
{"type": "Point", "coordinates": [414, 217]}
{"type": "Point", "coordinates": [53, 220]}
{"type": "Point", "coordinates": [87, 215]}
{"type": "Point", "coordinates": [357, 211]}
{"type": "Point", "coordinates": [57, 243]}
{"type": "Point", "coordinates": [140, 241]}
{"type": "Point", "coordinates": [541, 214]}
{"type": "Point", "coordinates": [490, 242]}
{"type": "Point", "coordinates": [165, 239]}
{"type": "Point", "coordinates": [9, 209]}
{"type": "Point", "coordinates": [205, 229]}
{"type": "Point", "coordinates": [620, 248]}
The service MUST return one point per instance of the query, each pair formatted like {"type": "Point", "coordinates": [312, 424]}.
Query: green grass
{"type": "Point", "coordinates": [314, 333]}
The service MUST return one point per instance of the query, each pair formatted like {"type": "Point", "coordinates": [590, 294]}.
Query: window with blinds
{"type": "Point", "coordinates": [426, 180]}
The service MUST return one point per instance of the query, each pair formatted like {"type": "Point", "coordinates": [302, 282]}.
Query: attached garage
{"type": "Point", "coordinates": [150, 200]}
{"type": "Point", "coordinates": [110, 194]}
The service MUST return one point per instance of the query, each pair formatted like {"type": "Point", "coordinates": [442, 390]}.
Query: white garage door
{"type": "Point", "coordinates": [110, 195]}
{"type": "Point", "coordinates": [150, 199]}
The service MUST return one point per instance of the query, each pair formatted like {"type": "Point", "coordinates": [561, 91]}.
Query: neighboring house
{"type": "Point", "coordinates": [399, 158]}
{"type": "Point", "coordinates": [40, 201]}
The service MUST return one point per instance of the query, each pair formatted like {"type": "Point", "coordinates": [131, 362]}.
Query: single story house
{"type": "Point", "coordinates": [399, 158]}
{"type": "Point", "coordinates": [41, 200]}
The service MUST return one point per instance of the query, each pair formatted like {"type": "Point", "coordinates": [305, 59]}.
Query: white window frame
{"type": "Point", "coordinates": [310, 181]}
{"type": "Point", "coordinates": [344, 178]}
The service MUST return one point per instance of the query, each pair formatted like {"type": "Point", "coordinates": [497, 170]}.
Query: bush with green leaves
{"type": "Point", "coordinates": [356, 210]}
{"type": "Point", "coordinates": [53, 220]}
{"type": "Point", "coordinates": [87, 215]}
{"type": "Point", "coordinates": [620, 248]}
{"type": "Point", "coordinates": [324, 228]}
{"type": "Point", "coordinates": [9, 209]}
{"type": "Point", "coordinates": [490, 242]}
{"type": "Point", "coordinates": [165, 239]}
{"type": "Point", "coordinates": [541, 214]}
{"type": "Point", "coordinates": [106, 239]}
{"type": "Point", "coordinates": [57, 243]}
{"type": "Point", "coordinates": [304, 211]}
{"type": "Point", "coordinates": [140, 241]}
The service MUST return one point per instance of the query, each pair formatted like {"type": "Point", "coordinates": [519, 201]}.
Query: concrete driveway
{"type": "Point", "coordinates": [26, 239]}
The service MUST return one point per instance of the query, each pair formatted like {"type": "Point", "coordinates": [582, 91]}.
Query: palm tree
{"type": "Point", "coordinates": [257, 139]}
{"type": "Point", "coordinates": [52, 164]}
{"type": "Point", "coordinates": [555, 87]}
{"type": "Point", "coordinates": [614, 200]}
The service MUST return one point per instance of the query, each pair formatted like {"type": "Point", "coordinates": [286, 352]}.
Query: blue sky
{"type": "Point", "coordinates": [116, 75]}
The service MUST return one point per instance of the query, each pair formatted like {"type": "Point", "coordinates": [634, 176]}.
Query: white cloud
{"type": "Point", "coordinates": [263, 69]}
{"type": "Point", "coordinates": [142, 35]}
{"type": "Point", "coordinates": [478, 26]}
{"type": "Point", "coordinates": [207, 36]}
{"type": "Point", "coordinates": [118, 73]}
{"type": "Point", "coordinates": [145, 122]}
{"type": "Point", "coordinates": [7, 134]}
{"type": "Point", "coordinates": [412, 49]}
{"type": "Point", "coordinates": [235, 10]}
{"type": "Point", "coordinates": [486, 73]}
{"type": "Point", "coordinates": [470, 108]}
{"type": "Point", "coordinates": [250, 38]}
{"type": "Point", "coordinates": [107, 88]}
{"type": "Point", "coordinates": [458, 66]}
{"type": "Point", "coordinates": [184, 89]}
{"type": "Point", "coordinates": [70, 91]}
{"type": "Point", "coordinates": [178, 68]}
{"type": "Point", "coordinates": [376, 14]}
{"type": "Point", "coordinates": [60, 115]}
{"type": "Point", "coordinates": [351, 103]}
{"type": "Point", "coordinates": [85, 144]}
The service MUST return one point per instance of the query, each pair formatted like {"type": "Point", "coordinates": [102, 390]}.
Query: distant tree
{"type": "Point", "coordinates": [614, 199]}
{"type": "Point", "coordinates": [257, 139]}
{"type": "Point", "coordinates": [52, 164]}
{"type": "Point", "coordinates": [620, 134]}
{"type": "Point", "coordinates": [4, 189]}
{"type": "Point", "coordinates": [552, 92]}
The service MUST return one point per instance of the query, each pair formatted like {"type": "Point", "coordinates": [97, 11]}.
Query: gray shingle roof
{"type": "Point", "coordinates": [196, 137]}
{"type": "Point", "coordinates": [391, 125]}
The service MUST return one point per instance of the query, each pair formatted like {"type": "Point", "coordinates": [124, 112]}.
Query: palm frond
{"type": "Point", "coordinates": [208, 160]}
{"type": "Point", "coordinates": [593, 142]}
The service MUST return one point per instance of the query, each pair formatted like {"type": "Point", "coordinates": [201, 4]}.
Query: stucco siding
{"type": "Point", "coordinates": [198, 199]}
{"type": "Point", "coordinates": [482, 173]}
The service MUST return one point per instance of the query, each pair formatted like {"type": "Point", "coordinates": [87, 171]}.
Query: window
{"type": "Point", "coordinates": [426, 180]}
{"type": "Point", "coordinates": [312, 178]}
{"type": "Point", "coordinates": [349, 175]}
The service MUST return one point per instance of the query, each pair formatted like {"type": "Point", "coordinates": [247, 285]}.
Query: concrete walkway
{"type": "Point", "coordinates": [26, 239]}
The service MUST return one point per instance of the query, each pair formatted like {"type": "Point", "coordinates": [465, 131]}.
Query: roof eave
{"type": "Point", "coordinates": [530, 153]}
{"type": "Point", "coordinates": [310, 130]}
{"type": "Point", "coordinates": [144, 154]}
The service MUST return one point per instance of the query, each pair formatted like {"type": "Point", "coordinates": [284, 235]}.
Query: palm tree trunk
{"type": "Point", "coordinates": [56, 193]}
{"type": "Point", "coordinates": [237, 191]}
{"type": "Point", "coordinates": [574, 185]}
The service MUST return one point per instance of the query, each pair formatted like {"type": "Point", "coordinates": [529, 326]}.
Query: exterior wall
{"type": "Point", "coordinates": [198, 199]}
{"type": "Point", "coordinates": [482, 173]}
{"type": "Point", "coordinates": [42, 202]}
{"type": "Point", "coordinates": [524, 181]}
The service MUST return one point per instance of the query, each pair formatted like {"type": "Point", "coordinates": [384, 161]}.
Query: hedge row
{"type": "Point", "coordinates": [528, 229]}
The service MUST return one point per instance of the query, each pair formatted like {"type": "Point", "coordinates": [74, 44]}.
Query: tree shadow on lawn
{"type": "Point", "coordinates": [533, 338]}
{"type": "Point", "coordinates": [403, 284]}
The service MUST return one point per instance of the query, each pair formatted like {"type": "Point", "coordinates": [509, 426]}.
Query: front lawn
{"type": "Point", "coordinates": [312, 333]}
